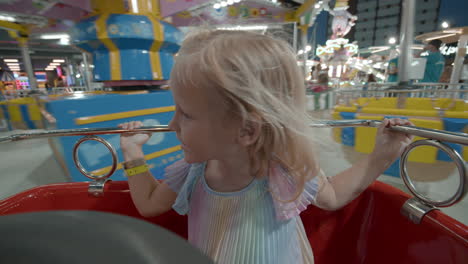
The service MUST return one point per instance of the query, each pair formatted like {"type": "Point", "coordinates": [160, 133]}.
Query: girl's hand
{"type": "Point", "coordinates": [389, 145]}
{"type": "Point", "coordinates": [133, 142]}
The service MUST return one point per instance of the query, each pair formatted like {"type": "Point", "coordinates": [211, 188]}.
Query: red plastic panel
{"type": "Point", "coordinates": [74, 196]}
{"type": "Point", "coordinates": [372, 230]}
{"type": "Point", "coordinates": [368, 230]}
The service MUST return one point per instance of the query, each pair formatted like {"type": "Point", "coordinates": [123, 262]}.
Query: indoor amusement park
{"type": "Point", "coordinates": [234, 131]}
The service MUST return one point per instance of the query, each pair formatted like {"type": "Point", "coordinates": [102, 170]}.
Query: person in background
{"type": "Point", "coordinates": [392, 70]}
{"type": "Point", "coordinates": [370, 79]}
{"type": "Point", "coordinates": [322, 83]}
{"type": "Point", "coordinates": [445, 76]}
{"type": "Point", "coordinates": [435, 62]}
{"type": "Point", "coordinates": [2, 89]}
{"type": "Point", "coordinates": [59, 82]}
{"type": "Point", "coordinates": [314, 72]}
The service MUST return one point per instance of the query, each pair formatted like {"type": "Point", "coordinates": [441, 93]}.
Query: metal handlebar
{"type": "Point", "coordinates": [414, 209]}
{"type": "Point", "coordinates": [459, 138]}
{"type": "Point", "coordinates": [82, 132]}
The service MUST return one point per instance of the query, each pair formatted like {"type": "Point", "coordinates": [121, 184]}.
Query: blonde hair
{"type": "Point", "coordinates": [259, 80]}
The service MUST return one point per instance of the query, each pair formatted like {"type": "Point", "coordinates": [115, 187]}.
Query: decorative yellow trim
{"type": "Point", "coordinates": [304, 8]}
{"type": "Point", "coordinates": [15, 27]}
{"type": "Point", "coordinates": [107, 117]}
{"type": "Point", "coordinates": [114, 53]}
{"type": "Point", "coordinates": [303, 28]}
{"type": "Point", "coordinates": [147, 157]}
{"type": "Point", "coordinates": [15, 113]}
{"type": "Point", "coordinates": [34, 112]}
{"type": "Point", "coordinates": [162, 152]}
{"type": "Point", "coordinates": [405, 112]}
{"type": "Point", "coordinates": [155, 59]}
{"type": "Point", "coordinates": [156, 8]}
{"type": "Point", "coordinates": [108, 6]}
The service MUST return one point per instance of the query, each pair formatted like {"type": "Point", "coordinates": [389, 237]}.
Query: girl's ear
{"type": "Point", "coordinates": [249, 132]}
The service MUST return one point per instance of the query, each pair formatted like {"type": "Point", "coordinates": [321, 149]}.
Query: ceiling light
{"type": "Point", "coordinates": [64, 41]}
{"type": "Point", "coordinates": [54, 64]}
{"type": "Point", "coordinates": [10, 60]}
{"type": "Point", "coordinates": [57, 60]}
{"type": "Point", "coordinates": [7, 18]}
{"type": "Point", "coordinates": [445, 24]}
{"type": "Point", "coordinates": [54, 36]}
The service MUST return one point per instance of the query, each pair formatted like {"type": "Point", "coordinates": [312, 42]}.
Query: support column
{"type": "Point", "coordinates": [406, 41]}
{"type": "Point", "coordinates": [86, 75]}
{"type": "Point", "coordinates": [406, 54]}
{"type": "Point", "coordinates": [304, 44]}
{"type": "Point", "coordinates": [28, 65]}
{"type": "Point", "coordinates": [295, 37]}
{"type": "Point", "coordinates": [458, 62]}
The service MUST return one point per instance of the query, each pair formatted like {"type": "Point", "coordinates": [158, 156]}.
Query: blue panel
{"type": "Point", "coordinates": [348, 134]}
{"type": "Point", "coordinates": [135, 64]}
{"type": "Point", "coordinates": [167, 61]}
{"type": "Point", "coordinates": [25, 115]}
{"type": "Point", "coordinates": [67, 110]}
{"type": "Point", "coordinates": [85, 46]}
{"type": "Point", "coordinates": [401, 117]}
{"type": "Point", "coordinates": [84, 31]}
{"type": "Point", "coordinates": [101, 70]}
{"type": "Point", "coordinates": [129, 26]}
{"type": "Point", "coordinates": [172, 38]}
{"type": "Point", "coordinates": [453, 125]}
{"type": "Point", "coordinates": [322, 28]}
{"type": "Point", "coordinates": [394, 169]}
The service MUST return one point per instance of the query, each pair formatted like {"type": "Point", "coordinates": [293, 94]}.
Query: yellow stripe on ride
{"type": "Point", "coordinates": [114, 52]}
{"type": "Point", "coordinates": [147, 157]}
{"type": "Point", "coordinates": [122, 115]}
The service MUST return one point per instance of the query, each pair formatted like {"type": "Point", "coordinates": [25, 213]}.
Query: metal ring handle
{"type": "Point", "coordinates": [462, 188]}
{"type": "Point", "coordinates": [89, 174]}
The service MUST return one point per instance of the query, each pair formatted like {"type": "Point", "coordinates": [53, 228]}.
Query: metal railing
{"type": "Point", "coordinates": [414, 208]}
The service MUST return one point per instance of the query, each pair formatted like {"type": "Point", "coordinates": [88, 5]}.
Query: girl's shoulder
{"type": "Point", "coordinates": [177, 173]}
{"type": "Point", "coordinates": [284, 189]}
{"type": "Point", "coordinates": [181, 178]}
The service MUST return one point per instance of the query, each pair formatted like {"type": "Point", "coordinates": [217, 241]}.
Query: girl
{"type": "Point", "coordinates": [249, 169]}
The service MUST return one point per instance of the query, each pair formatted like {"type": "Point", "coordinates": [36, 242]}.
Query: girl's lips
{"type": "Point", "coordinates": [182, 145]}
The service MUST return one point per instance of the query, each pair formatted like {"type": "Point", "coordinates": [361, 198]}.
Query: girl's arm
{"type": "Point", "coordinates": [347, 185]}
{"type": "Point", "coordinates": [150, 197]}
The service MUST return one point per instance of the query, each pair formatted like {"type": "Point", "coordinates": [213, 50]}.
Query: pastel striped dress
{"type": "Point", "coordinates": [248, 226]}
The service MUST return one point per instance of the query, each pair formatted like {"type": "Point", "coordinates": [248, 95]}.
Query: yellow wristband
{"type": "Point", "coordinates": [136, 170]}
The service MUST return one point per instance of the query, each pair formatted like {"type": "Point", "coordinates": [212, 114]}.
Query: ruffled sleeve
{"type": "Point", "coordinates": [181, 177]}
{"type": "Point", "coordinates": [283, 188]}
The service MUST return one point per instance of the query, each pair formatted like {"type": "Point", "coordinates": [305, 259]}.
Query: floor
{"type": "Point", "coordinates": [29, 163]}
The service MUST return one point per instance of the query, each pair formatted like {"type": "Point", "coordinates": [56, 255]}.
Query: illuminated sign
{"type": "Point", "coordinates": [445, 50]}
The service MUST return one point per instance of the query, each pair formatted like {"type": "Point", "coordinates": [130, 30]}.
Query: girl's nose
{"type": "Point", "coordinates": [173, 123]}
